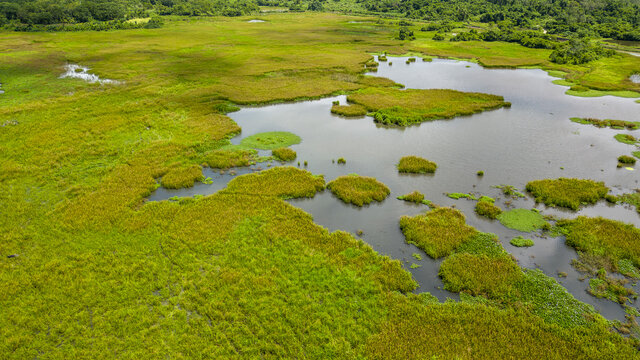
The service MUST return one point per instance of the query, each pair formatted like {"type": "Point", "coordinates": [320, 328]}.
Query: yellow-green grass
{"type": "Point", "coordinates": [284, 154]}
{"type": "Point", "coordinates": [349, 110]}
{"type": "Point", "coordinates": [270, 140]}
{"type": "Point", "coordinates": [182, 177]}
{"type": "Point", "coordinates": [406, 107]}
{"type": "Point", "coordinates": [487, 209]}
{"type": "Point", "coordinates": [519, 241]}
{"type": "Point", "coordinates": [480, 274]}
{"type": "Point", "coordinates": [224, 159]}
{"type": "Point", "coordinates": [565, 192]}
{"type": "Point", "coordinates": [522, 220]}
{"type": "Point", "coordinates": [626, 159]}
{"type": "Point", "coordinates": [627, 139]}
{"type": "Point", "coordinates": [416, 165]}
{"type": "Point", "coordinates": [614, 124]}
{"type": "Point", "coordinates": [285, 182]}
{"type": "Point", "coordinates": [438, 232]}
{"type": "Point", "coordinates": [358, 190]}
{"type": "Point", "coordinates": [609, 239]}
{"type": "Point", "coordinates": [415, 197]}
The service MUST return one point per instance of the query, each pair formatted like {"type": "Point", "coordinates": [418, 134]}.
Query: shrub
{"type": "Point", "coordinates": [284, 154]}
{"type": "Point", "coordinates": [487, 209]}
{"type": "Point", "coordinates": [416, 165]}
{"type": "Point", "coordinates": [358, 190]}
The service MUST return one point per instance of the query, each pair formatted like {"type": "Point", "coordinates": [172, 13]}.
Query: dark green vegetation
{"type": "Point", "coordinates": [519, 241]}
{"type": "Point", "coordinates": [270, 140]}
{"type": "Point", "coordinates": [627, 139]}
{"type": "Point", "coordinates": [415, 197]}
{"type": "Point", "coordinates": [182, 177]}
{"type": "Point", "coordinates": [349, 110]}
{"type": "Point", "coordinates": [614, 124]}
{"type": "Point", "coordinates": [416, 165]}
{"type": "Point", "coordinates": [579, 51]}
{"type": "Point", "coordinates": [522, 220]}
{"type": "Point", "coordinates": [358, 190]}
{"type": "Point", "coordinates": [438, 232]}
{"type": "Point", "coordinates": [569, 193]}
{"type": "Point", "coordinates": [626, 159]}
{"type": "Point", "coordinates": [412, 106]}
{"type": "Point", "coordinates": [284, 154]}
{"type": "Point", "coordinates": [487, 209]}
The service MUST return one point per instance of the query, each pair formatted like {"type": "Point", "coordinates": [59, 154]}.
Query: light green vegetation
{"type": "Point", "coordinates": [270, 140]}
{"type": "Point", "coordinates": [349, 110]}
{"type": "Point", "coordinates": [438, 232]}
{"type": "Point", "coordinates": [415, 197]}
{"type": "Point", "coordinates": [607, 239]}
{"type": "Point", "coordinates": [406, 107]}
{"type": "Point", "coordinates": [522, 220]}
{"type": "Point", "coordinates": [417, 256]}
{"type": "Point", "coordinates": [569, 193]}
{"type": "Point", "coordinates": [101, 274]}
{"type": "Point", "coordinates": [284, 154]}
{"type": "Point", "coordinates": [480, 173]}
{"type": "Point", "coordinates": [487, 209]}
{"type": "Point", "coordinates": [457, 196]}
{"type": "Point", "coordinates": [604, 286]}
{"type": "Point", "coordinates": [416, 165]}
{"type": "Point", "coordinates": [636, 154]}
{"type": "Point", "coordinates": [510, 191]}
{"type": "Point", "coordinates": [182, 177]}
{"type": "Point", "coordinates": [627, 139]}
{"type": "Point", "coordinates": [519, 241]}
{"type": "Point", "coordinates": [631, 199]}
{"type": "Point", "coordinates": [358, 190]}
{"type": "Point", "coordinates": [614, 124]}
{"type": "Point", "coordinates": [626, 159]}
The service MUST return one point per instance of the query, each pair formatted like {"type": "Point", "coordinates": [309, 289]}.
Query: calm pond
{"type": "Point", "coordinates": [534, 139]}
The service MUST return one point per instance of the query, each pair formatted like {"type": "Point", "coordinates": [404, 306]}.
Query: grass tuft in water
{"type": "Point", "coordinates": [284, 154]}
{"type": "Point", "coordinates": [358, 190]}
{"type": "Point", "coordinates": [416, 165]}
{"type": "Point", "coordinates": [519, 241]}
{"type": "Point", "coordinates": [522, 220]}
{"type": "Point", "coordinates": [569, 193]}
{"type": "Point", "coordinates": [352, 110]}
{"type": "Point", "coordinates": [626, 159]}
{"type": "Point", "coordinates": [614, 124]}
{"type": "Point", "coordinates": [487, 209]}
{"type": "Point", "coordinates": [415, 197]}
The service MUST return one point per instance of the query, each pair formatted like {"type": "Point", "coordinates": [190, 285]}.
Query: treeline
{"type": "Point", "coordinates": [618, 19]}
{"type": "Point", "coordinates": [29, 14]}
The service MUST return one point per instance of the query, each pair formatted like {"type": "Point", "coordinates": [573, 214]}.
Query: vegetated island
{"type": "Point", "coordinates": [565, 192]}
{"type": "Point", "coordinates": [416, 165]}
{"type": "Point", "coordinates": [358, 190]}
{"type": "Point", "coordinates": [614, 124]}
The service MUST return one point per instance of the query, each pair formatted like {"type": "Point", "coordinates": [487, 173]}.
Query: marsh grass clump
{"type": "Point", "coordinates": [604, 286]}
{"type": "Point", "coordinates": [342, 161]}
{"type": "Point", "coordinates": [183, 177]}
{"type": "Point", "coordinates": [438, 232]}
{"type": "Point", "coordinates": [284, 182]}
{"type": "Point", "coordinates": [510, 191]}
{"type": "Point", "coordinates": [405, 107]}
{"type": "Point", "coordinates": [569, 193]}
{"type": "Point", "coordinates": [614, 124]}
{"type": "Point", "coordinates": [415, 197]}
{"type": "Point", "coordinates": [358, 190]}
{"type": "Point", "coordinates": [519, 241]}
{"type": "Point", "coordinates": [626, 159]}
{"type": "Point", "coordinates": [626, 139]}
{"type": "Point", "coordinates": [284, 154]}
{"type": "Point", "coordinates": [457, 196]}
{"type": "Point", "coordinates": [416, 165]}
{"type": "Point", "coordinates": [351, 110]}
{"type": "Point", "coordinates": [522, 220]}
{"type": "Point", "coordinates": [480, 173]}
{"type": "Point", "coordinates": [632, 199]}
{"type": "Point", "coordinates": [487, 209]}
{"type": "Point", "coordinates": [270, 140]}
{"type": "Point", "coordinates": [224, 159]}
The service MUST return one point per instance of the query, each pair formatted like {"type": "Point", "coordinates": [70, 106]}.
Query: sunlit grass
{"type": "Point", "coordinates": [416, 165]}
{"type": "Point", "coordinates": [358, 190]}
{"type": "Point", "coordinates": [522, 220]}
{"type": "Point", "coordinates": [569, 193]}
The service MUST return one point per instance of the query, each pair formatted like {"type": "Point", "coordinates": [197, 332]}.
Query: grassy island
{"type": "Point", "coordinates": [358, 190]}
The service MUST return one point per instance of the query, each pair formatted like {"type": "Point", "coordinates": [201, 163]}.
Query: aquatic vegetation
{"type": "Point", "coordinates": [438, 232]}
{"type": "Point", "coordinates": [415, 197]}
{"type": "Point", "coordinates": [358, 190]}
{"type": "Point", "coordinates": [417, 256]}
{"type": "Point", "coordinates": [182, 177]}
{"type": "Point", "coordinates": [342, 161]}
{"type": "Point", "coordinates": [636, 154]}
{"type": "Point", "coordinates": [604, 286]}
{"type": "Point", "coordinates": [284, 181]}
{"type": "Point", "coordinates": [411, 106]}
{"type": "Point", "coordinates": [625, 159]}
{"type": "Point", "coordinates": [415, 266]}
{"type": "Point", "coordinates": [352, 110]}
{"type": "Point", "coordinates": [487, 209]}
{"type": "Point", "coordinates": [416, 165]}
{"type": "Point", "coordinates": [270, 140]}
{"type": "Point", "coordinates": [614, 124]}
{"type": "Point", "coordinates": [480, 173]}
{"type": "Point", "coordinates": [224, 159]}
{"type": "Point", "coordinates": [284, 154]}
{"type": "Point", "coordinates": [457, 196]}
{"type": "Point", "coordinates": [510, 191]}
{"type": "Point", "coordinates": [610, 240]}
{"type": "Point", "coordinates": [519, 241]}
{"type": "Point", "coordinates": [522, 219]}
{"type": "Point", "coordinates": [569, 193]}
{"type": "Point", "coordinates": [627, 139]}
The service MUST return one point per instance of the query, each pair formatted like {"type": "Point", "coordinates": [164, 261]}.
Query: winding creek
{"type": "Point", "coordinates": [534, 139]}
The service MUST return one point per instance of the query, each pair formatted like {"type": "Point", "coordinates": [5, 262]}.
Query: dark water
{"type": "Point", "coordinates": [534, 139]}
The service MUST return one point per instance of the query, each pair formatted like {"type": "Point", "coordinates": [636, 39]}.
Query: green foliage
{"type": "Point", "coordinates": [284, 154]}
{"type": "Point", "coordinates": [438, 232]}
{"type": "Point", "coordinates": [614, 124]}
{"type": "Point", "coordinates": [352, 110]}
{"type": "Point", "coordinates": [625, 159]}
{"type": "Point", "coordinates": [487, 209]}
{"type": "Point", "coordinates": [607, 287]}
{"type": "Point", "coordinates": [522, 220]}
{"type": "Point", "coordinates": [358, 190]}
{"type": "Point", "coordinates": [283, 181]}
{"type": "Point", "coordinates": [224, 159]}
{"type": "Point", "coordinates": [519, 241]}
{"type": "Point", "coordinates": [415, 197]}
{"type": "Point", "coordinates": [182, 177]}
{"type": "Point", "coordinates": [510, 191]}
{"type": "Point", "coordinates": [405, 34]}
{"type": "Point", "coordinates": [457, 196]}
{"type": "Point", "coordinates": [480, 173]}
{"type": "Point", "coordinates": [579, 51]}
{"type": "Point", "coordinates": [569, 193]}
{"type": "Point", "coordinates": [270, 140]}
{"type": "Point", "coordinates": [411, 106]}
{"type": "Point", "coordinates": [627, 139]}
{"type": "Point", "coordinates": [342, 161]}
{"type": "Point", "coordinates": [416, 165]}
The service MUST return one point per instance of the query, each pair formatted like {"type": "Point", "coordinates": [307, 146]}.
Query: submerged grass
{"type": "Point", "coordinates": [358, 190]}
{"type": "Point", "coordinates": [182, 177]}
{"type": "Point", "coordinates": [569, 193]}
{"type": "Point", "coordinates": [416, 165]}
{"type": "Point", "coordinates": [522, 220]}
{"type": "Point", "coordinates": [270, 140]}
{"type": "Point", "coordinates": [438, 232]}
{"type": "Point", "coordinates": [412, 106]}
